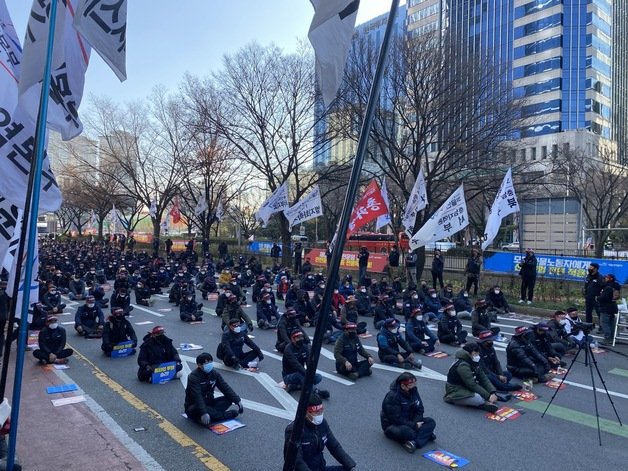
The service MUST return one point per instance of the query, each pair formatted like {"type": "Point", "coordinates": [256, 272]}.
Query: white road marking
{"type": "Point", "coordinates": [141, 308]}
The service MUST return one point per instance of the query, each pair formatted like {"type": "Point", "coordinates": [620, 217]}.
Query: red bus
{"type": "Point", "coordinates": [376, 242]}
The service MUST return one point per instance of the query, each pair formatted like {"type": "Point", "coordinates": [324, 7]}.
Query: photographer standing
{"type": "Point", "coordinates": [608, 307]}
{"type": "Point", "coordinates": [363, 263]}
{"type": "Point", "coordinates": [528, 277]}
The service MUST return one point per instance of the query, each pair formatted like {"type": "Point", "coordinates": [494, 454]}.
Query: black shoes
{"type": "Point", "coordinates": [409, 446]}
{"type": "Point", "coordinates": [490, 407]}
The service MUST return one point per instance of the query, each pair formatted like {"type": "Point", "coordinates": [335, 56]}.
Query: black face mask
{"type": "Point", "coordinates": [352, 335]}
{"type": "Point", "coordinates": [299, 343]}
{"type": "Point", "coordinates": [488, 344]}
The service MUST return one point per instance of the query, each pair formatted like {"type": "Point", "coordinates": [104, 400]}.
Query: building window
{"type": "Point", "coordinates": [544, 152]}
{"type": "Point", "coordinates": [533, 153]}
{"type": "Point", "coordinates": [523, 155]}
{"type": "Point", "coordinates": [554, 151]}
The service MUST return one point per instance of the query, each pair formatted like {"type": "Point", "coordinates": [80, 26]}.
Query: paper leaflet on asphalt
{"type": "Point", "coordinates": [505, 203]}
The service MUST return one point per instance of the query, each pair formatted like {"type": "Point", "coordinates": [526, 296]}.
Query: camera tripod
{"type": "Point", "coordinates": [589, 360]}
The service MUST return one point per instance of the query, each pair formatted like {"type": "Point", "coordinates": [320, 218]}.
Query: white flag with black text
{"type": "Point", "coordinates": [278, 201]}
{"type": "Point", "coordinates": [505, 203]}
{"type": "Point", "coordinates": [220, 211]}
{"type": "Point", "coordinates": [309, 207]}
{"type": "Point", "coordinates": [416, 202]}
{"type": "Point", "coordinates": [17, 129]}
{"type": "Point", "coordinates": [10, 226]}
{"type": "Point", "coordinates": [331, 32]}
{"type": "Point", "coordinates": [201, 206]}
{"type": "Point", "coordinates": [103, 24]}
{"type": "Point", "coordinates": [450, 218]}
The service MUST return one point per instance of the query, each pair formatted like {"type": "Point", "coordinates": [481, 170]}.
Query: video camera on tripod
{"type": "Point", "coordinates": [586, 327]}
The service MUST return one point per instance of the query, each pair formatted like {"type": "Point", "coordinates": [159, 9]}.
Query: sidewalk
{"type": "Point", "coordinates": [69, 437]}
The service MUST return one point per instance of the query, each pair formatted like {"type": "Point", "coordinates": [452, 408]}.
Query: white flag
{"type": "Point", "coordinates": [70, 61]}
{"type": "Point", "coordinates": [309, 207]}
{"type": "Point", "coordinates": [10, 227]}
{"type": "Point", "coordinates": [115, 219]}
{"type": "Point", "coordinates": [416, 202]}
{"type": "Point", "coordinates": [33, 288]}
{"type": "Point", "coordinates": [330, 33]}
{"type": "Point", "coordinates": [153, 209]}
{"type": "Point", "coordinates": [93, 220]}
{"type": "Point", "coordinates": [505, 203]}
{"type": "Point", "coordinates": [384, 219]}
{"type": "Point", "coordinates": [165, 224]}
{"type": "Point", "coordinates": [103, 24]}
{"type": "Point", "coordinates": [220, 211]}
{"type": "Point", "coordinates": [450, 218]}
{"type": "Point", "coordinates": [278, 201]}
{"type": "Point", "coordinates": [17, 143]}
{"type": "Point", "coordinates": [200, 206]}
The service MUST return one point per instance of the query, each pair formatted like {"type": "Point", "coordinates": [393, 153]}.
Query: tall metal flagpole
{"type": "Point", "coordinates": [299, 419]}
{"type": "Point", "coordinates": [30, 214]}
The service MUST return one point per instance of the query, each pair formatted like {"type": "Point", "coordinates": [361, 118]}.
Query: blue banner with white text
{"type": "Point", "coordinates": [552, 266]}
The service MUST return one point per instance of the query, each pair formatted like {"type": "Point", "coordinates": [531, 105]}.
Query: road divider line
{"type": "Point", "coordinates": [619, 372]}
{"type": "Point", "coordinates": [600, 390]}
{"type": "Point", "coordinates": [577, 417]}
{"type": "Point", "coordinates": [135, 306]}
{"type": "Point", "coordinates": [209, 460]}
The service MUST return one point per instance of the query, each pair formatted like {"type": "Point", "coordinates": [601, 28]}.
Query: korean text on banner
{"type": "Point", "coordinates": [505, 203]}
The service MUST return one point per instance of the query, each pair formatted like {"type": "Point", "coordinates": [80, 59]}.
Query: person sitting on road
{"type": "Point", "coordinates": [155, 350]}
{"type": "Point", "coordinates": [383, 312]}
{"type": "Point", "coordinates": [402, 418]}
{"type": "Point", "coordinates": [52, 301]}
{"type": "Point", "coordinates": [497, 301]}
{"type": "Point", "coordinates": [77, 288]}
{"type": "Point", "coordinates": [39, 315]}
{"type": "Point", "coordinates": [231, 348]}
{"type": "Point", "coordinates": [467, 385]}
{"type": "Point", "coordinates": [304, 308]}
{"type": "Point", "coordinates": [189, 309]}
{"type": "Point", "coordinates": [432, 307]}
{"type": "Point", "coordinates": [267, 314]}
{"type": "Point", "coordinates": [287, 325]}
{"type": "Point", "coordinates": [446, 295]}
{"type": "Point", "coordinates": [574, 332]}
{"type": "Point", "coordinates": [558, 334]}
{"type": "Point", "coordinates": [481, 320]}
{"type": "Point", "coordinates": [543, 343]}
{"type": "Point", "coordinates": [51, 342]}
{"type": "Point", "coordinates": [282, 287]}
{"type": "Point", "coordinates": [293, 363]}
{"type": "Point", "coordinates": [315, 437]}
{"type": "Point", "coordinates": [200, 404]}
{"type": "Point", "coordinates": [89, 320]}
{"type": "Point", "coordinates": [418, 335]}
{"type": "Point", "coordinates": [142, 294]}
{"type": "Point", "coordinates": [450, 329]}
{"type": "Point", "coordinates": [348, 347]}
{"type": "Point", "coordinates": [98, 292]}
{"type": "Point", "coordinates": [463, 305]}
{"type": "Point", "coordinates": [388, 342]}
{"type": "Point", "coordinates": [122, 299]}
{"type": "Point", "coordinates": [117, 329]}
{"type": "Point", "coordinates": [233, 310]}
{"type": "Point", "coordinates": [363, 302]}
{"type": "Point", "coordinates": [491, 366]}
{"type": "Point", "coordinates": [410, 303]}
{"type": "Point", "coordinates": [524, 361]}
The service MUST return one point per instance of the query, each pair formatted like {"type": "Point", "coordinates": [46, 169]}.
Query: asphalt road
{"type": "Point", "coordinates": [566, 438]}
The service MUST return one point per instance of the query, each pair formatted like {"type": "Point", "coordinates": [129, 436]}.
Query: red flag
{"type": "Point", "coordinates": [370, 206]}
{"type": "Point", "coordinates": [174, 212]}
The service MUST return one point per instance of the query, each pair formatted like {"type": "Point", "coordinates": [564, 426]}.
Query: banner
{"type": "Point", "coordinates": [17, 129]}
{"type": "Point", "coordinates": [331, 32]}
{"type": "Point", "coordinates": [70, 61]}
{"type": "Point", "coordinates": [33, 288]}
{"type": "Point", "coordinates": [201, 206]}
{"type": "Point", "coordinates": [309, 207]}
{"type": "Point", "coordinates": [552, 266]}
{"type": "Point", "coordinates": [369, 206]}
{"type": "Point", "coordinates": [416, 202]}
{"type": "Point", "coordinates": [384, 219]}
{"type": "Point", "coordinates": [103, 24]}
{"type": "Point", "coordinates": [93, 220]}
{"type": "Point", "coordinates": [505, 203]}
{"type": "Point", "coordinates": [153, 209]}
{"type": "Point", "coordinates": [175, 212]}
{"type": "Point", "coordinates": [377, 263]}
{"type": "Point", "coordinates": [450, 218]}
{"type": "Point", "coordinates": [278, 201]}
{"type": "Point", "coordinates": [10, 226]}
{"type": "Point", "coordinates": [220, 211]}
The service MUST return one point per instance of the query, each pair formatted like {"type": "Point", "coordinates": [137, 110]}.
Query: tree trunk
{"type": "Point", "coordinates": [100, 227]}
{"type": "Point", "coordinates": [599, 239]}
{"type": "Point", "coordinates": [156, 227]}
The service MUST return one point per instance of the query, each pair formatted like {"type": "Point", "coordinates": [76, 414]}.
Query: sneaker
{"type": "Point", "coordinates": [252, 364]}
{"type": "Point", "coordinates": [292, 387]}
{"type": "Point", "coordinates": [490, 407]}
{"type": "Point", "coordinates": [409, 446]}
{"type": "Point", "coordinates": [432, 438]}
{"type": "Point", "coordinates": [528, 302]}
{"type": "Point", "coordinates": [418, 364]}
{"type": "Point", "coordinates": [323, 393]}
{"type": "Point", "coordinates": [353, 376]}
{"type": "Point", "coordinates": [521, 301]}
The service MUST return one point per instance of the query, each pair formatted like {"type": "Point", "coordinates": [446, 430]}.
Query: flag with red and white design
{"type": "Point", "coordinates": [370, 206]}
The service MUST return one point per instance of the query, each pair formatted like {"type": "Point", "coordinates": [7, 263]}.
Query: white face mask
{"type": "Point", "coordinates": [237, 329]}
{"type": "Point", "coordinates": [90, 305]}
{"type": "Point", "coordinates": [415, 296]}
{"type": "Point", "coordinates": [268, 301]}
{"type": "Point", "coordinates": [362, 291]}
{"type": "Point", "coordinates": [496, 291]}
{"type": "Point", "coordinates": [476, 358]}
{"type": "Point", "coordinates": [451, 313]}
{"type": "Point", "coordinates": [316, 419]}
{"type": "Point", "coordinates": [466, 295]}
{"type": "Point", "coordinates": [419, 318]}
{"type": "Point", "coordinates": [563, 321]}
{"type": "Point", "coordinates": [53, 325]}
{"type": "Point", "coordinates": [433, 295]}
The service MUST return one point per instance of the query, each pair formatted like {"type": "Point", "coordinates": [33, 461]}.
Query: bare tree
{"type": "Point", "coordinates": [448, 120]}
{"type": "Point", "coordinates": [263, 106]}
{"type": "Point", "coordinates": [601, 185]}
{"type": "Point", "coordinates": [242, 212]}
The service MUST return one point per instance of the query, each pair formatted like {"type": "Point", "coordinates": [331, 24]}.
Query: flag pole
{"type": "Point", "coordinates": [31, 209]}
{"type": "Point", "coordinates": [352, 188]}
